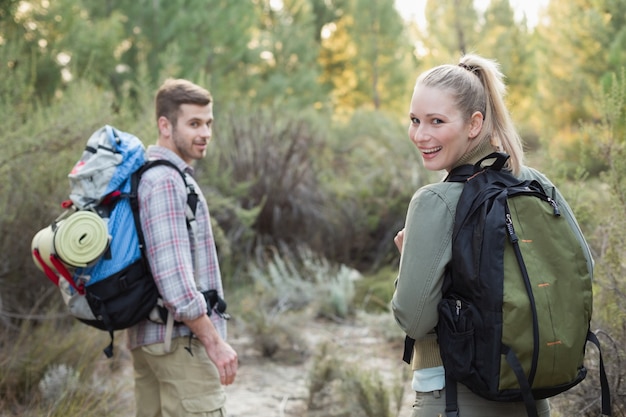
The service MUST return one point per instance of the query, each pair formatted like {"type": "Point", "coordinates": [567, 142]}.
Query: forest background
{"type": "Point", "coordinates": [310, 169]}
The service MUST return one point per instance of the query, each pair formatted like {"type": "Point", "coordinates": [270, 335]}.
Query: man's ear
{"type": "Point", "coordinates": [165, 127]}
{"type": "Point", "coordinates": [476, 124]}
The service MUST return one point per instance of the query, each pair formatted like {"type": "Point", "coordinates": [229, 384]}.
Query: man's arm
{"type": "Point", "coordinates": [220, 352]}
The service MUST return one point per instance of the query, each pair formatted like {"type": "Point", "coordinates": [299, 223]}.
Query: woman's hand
{"type": "Point", "coordinates": [399, 240]}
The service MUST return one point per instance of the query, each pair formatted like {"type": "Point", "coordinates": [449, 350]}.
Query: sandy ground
{"type": "Point", "coordinates": [279, 386]}
{"type": "Point", "coordinates": [269, 387]}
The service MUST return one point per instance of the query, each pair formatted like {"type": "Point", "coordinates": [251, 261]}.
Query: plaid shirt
{"type": "Point", "coordinates": [171, 252]}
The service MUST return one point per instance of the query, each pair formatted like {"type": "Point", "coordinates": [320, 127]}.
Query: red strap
{"type": "Point", "coordinates": [111, 197]}
{"type": "Point", "coordinates": [63, 270]}
{"type": "Point", "coordinates": [49, 272]}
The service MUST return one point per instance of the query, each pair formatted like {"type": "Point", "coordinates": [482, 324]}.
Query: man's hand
{"type": "Point", "coordinates": [225, 358]}
{"type": "Point", "coordinates": [221, 353]}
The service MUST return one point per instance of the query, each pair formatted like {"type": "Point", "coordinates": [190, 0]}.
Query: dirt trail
{"type": "Point", "coordinates": [278, 388]}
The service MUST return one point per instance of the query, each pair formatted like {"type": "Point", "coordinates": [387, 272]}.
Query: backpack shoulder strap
{"type": "Point", "coordinates": [494, 161]}
{"type": "Point", "coordinates": [192, 195]}
{"type": "Point", "coordinates": [460, 173]}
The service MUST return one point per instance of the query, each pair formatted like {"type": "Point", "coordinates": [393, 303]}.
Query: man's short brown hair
{"type": "Point", "coordinates": [174, 92]}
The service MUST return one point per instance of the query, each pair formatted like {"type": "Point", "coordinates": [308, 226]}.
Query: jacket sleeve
{"type": "Point", "coordinates": [425, 253]}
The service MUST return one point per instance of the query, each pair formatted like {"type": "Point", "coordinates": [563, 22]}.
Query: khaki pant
{"type": "Point", "coordinates": [177, 384]}
{"type": "Point", "coordinates": [433, 404]}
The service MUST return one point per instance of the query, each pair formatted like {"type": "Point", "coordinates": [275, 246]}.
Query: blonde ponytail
{"type": "Point", "coordinates": [497, 123]}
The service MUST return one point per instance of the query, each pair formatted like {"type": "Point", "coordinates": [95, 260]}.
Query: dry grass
{"type": "Point", "coordinates": [56, 368]}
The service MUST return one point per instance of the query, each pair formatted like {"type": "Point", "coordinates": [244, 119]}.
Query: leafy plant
{"type": "Point", "coordinates": [338, 388]}
{"type": "Point", "coordinates": [54, 366]}
{"type": "Point", "coordinates": [286, 293]}
{"type": "Point", "coordinates": [607, 241]}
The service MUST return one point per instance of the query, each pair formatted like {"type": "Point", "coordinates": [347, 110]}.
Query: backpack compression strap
{"type": "Point", "coordinates": [604, 381]}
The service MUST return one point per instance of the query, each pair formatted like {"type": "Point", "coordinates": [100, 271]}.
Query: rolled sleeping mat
{"type": "Point", "coordinates": [78, 240]}
{"type": "Point", "coordinates": [82, 239]}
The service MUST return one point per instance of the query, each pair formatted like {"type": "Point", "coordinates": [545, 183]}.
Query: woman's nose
{"type": "Point", "coordinates": [416, 133]}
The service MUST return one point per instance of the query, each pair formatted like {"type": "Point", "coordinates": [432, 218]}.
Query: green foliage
{"type": "Point", "coordinates": [375, 290]}
{"type": "Point", "coordinates": [55, 368]}
{"type": "Point", "coordinates": [212, 40]}
{"type": "Point", "coordinates": [452, 28]}
{"type": "Point", "coordinates": [564, 56]}
{"type": "Point", "coordinates": [36, 158]}
{"type": "Point", "coordinates": [277, 178]}
{"type": "Point", "coordinates": [261, 173]}
{"type": "Point", "coordinates": [384, 56]}
{"type": "Point", "coordinates": [337, 388]}
{"type": "Point", "coordinates": [15, 85]}
{"type": "Point", "coordinates": [607, 239]}
{"type": "Point", "coordinates": [371, 170]}
{"type": "Point", "coordinates": [285, 284]}
{"type": "Point", "coordinates": [288, 51]}
{"type": "Point", "coordinates": [286, 293]}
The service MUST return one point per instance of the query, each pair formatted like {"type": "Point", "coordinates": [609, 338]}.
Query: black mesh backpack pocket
{"type": "Point", "coordinates": [455, 333]}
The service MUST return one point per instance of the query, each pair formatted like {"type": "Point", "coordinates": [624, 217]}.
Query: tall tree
{"type": "Point", "coordinates": [190, 39]}
{"type": "Point", "coordinates": [326, 12]}
{"type": "Point", "coordinates": [453, 28]}
{"type": "Point", "coordinates": [508, 41]}
{"type": "Point", "coordinates": [367, 58]}
{"type": "Point", "coordinates": [289, 48]}
{"type": "Point", "coordinates": [581, 43]}
{"type": "Point", "coordinates": [62, 41]}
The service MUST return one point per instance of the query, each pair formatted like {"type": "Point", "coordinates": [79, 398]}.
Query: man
{"type": "Point", "coordinates": [181, 375]}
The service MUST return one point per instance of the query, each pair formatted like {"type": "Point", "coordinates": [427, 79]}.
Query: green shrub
{"type": "Point", "coordinates": [55, 366]}
{"type": "Point", "coordinates": [285, 294]}
{"type": "Point", "coordinates": [607, 215]}
{"type": "Point", "coordinates": [337, 388]}
{"type": "Point", "coordinates": [375, 290]}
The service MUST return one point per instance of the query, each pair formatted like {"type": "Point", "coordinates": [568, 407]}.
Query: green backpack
{"type": "Point", "coordinates": [517, 298]}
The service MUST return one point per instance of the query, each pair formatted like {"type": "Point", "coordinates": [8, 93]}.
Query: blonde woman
{"type": "Point", "coordinates": [457, 117]}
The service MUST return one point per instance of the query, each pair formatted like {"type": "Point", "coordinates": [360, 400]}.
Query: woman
{"type": "Point", "coordinates": [457, 116]}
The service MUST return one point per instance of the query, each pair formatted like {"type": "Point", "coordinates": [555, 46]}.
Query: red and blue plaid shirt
{"type": "Point", "coordinates": [170, 249]}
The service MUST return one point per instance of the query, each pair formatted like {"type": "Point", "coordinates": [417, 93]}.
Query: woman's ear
{"type": "Point", "coordinates": [476, 124]}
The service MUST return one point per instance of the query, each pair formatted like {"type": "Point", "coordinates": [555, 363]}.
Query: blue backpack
{"type": "Point", "coordinates": [94, 251]}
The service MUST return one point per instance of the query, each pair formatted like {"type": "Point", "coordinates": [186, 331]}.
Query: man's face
{"type": "Point", "coordinates": [192, 133]}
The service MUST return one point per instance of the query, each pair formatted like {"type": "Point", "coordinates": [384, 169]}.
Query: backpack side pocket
{"type": "Point", "coordinates": [455, 333]}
